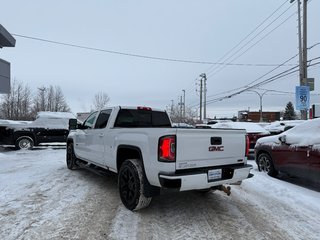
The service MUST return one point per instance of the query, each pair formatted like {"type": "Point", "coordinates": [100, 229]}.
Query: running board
{"type": "Point", "coordinates": [93, 168]}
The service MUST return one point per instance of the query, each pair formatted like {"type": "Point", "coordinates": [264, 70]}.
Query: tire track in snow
{"type": "Point", "coordinates": [125, 224]}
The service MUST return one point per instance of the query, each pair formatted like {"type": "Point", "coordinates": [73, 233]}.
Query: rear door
{"type": "Point", "coordinates": [198, 148]}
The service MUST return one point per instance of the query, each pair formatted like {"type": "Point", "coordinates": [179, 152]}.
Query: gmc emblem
{"type": "Point", "coordinates": [216, 149]}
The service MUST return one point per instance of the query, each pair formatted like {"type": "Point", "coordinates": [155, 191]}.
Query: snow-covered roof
{"type": "Point", "coordinates": [278, 126]}
{"type": "Point", "coordinates": [67, 115]}
{"type": "Point", "coordinates": [304, 134]}
{"type": "Point", "coordinates": [250, 127]}
{"type": "Point", "coordinates": [12, 122]}
{"type": "Point", "coordinates": [48, 120]}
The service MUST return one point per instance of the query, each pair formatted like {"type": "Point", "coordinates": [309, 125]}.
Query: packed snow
{"type": "Point", "coordinates": [41, 199]}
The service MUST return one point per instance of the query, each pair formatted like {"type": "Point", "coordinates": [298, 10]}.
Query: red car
{"type": "Point", "coordinates": [254, 131]}
{"type": "Point", "coordinates": [295, 152]}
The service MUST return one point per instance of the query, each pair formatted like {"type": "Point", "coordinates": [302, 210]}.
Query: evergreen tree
{"type": "Point", "coordinates": [289, 113]}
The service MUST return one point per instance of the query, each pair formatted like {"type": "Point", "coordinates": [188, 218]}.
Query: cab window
{"type": "Point", "coordinates": [103, 118]}
{"type": "Point", "coordinates": [90, 120]}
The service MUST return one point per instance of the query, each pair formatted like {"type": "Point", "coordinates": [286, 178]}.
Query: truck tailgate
{"type": "Point", "coordinates": [198, 148]}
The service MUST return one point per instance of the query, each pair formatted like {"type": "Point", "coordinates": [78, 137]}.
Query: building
{"type": "Point", "coordinates": [246, 115]}
{"type": "Point", "coordinates": [6, 40]}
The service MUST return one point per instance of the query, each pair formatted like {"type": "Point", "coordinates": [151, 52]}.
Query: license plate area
{"type": "Point", "coordinates": [214, 174]}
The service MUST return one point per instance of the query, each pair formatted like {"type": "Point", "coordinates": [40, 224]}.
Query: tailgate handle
{"type": "Point", "coordinates": [216, 140]}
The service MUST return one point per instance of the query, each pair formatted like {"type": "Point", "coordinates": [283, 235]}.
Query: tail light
{"type": "Point", "coordinates": [167, 149]}
{"type": "Point", "coordinates": [247, 145]}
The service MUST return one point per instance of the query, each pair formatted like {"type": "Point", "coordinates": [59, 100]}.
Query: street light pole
{"type": "Point", "coordinates": [260, 98]}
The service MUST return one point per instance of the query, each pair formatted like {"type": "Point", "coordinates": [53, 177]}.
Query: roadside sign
{"type": "Point", "coordinates": [302, 97]}
{"type": "Point", "coordinates": [308, 82]}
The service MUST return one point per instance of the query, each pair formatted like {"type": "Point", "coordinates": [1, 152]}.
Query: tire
{"type": "Point", "coordinates": [131, 182]}
{"type": "Point", "coordinates": [71, 157]}
{"type": "Point", "coordinates": [265, 164]}
{"type": "Point", "coordinates": [24, 143]}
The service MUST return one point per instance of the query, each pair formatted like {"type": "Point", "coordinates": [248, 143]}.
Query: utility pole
{"type": "Point", "coordinates": [303, 58]}
{"type": "Point", "coordinates": [184, 104]}
{"type": "Point", "coordinates": [171, 111]}
{"type": "Point", "coordinates": [181, 108]}
{"type": "Point", "coordinates": [204, 77]}
{"type": "Point", "coordinates": [201, 99]}
{"type": "Point", "coordinates": [304, 113]}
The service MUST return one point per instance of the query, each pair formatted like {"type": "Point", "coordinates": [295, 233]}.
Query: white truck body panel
{"type": "Point", "coordinates": [194, 151]}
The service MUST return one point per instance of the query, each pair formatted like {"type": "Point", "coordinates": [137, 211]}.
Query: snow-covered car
{"type": "Point", "coordinates": [281, 126]}
{"type": "Point", "coordinates": [295, 152]}
{"type": "Point", "coordinates": [49, 127]}
{"type": "Point", "coordinates": [254, 131]}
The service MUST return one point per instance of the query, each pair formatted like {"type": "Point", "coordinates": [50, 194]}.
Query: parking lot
{"type": "Point", "coordinates": [41, 199]}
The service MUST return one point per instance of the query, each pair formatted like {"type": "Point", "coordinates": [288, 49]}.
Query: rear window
{"type": "Point", "coordinates": [132, 118]}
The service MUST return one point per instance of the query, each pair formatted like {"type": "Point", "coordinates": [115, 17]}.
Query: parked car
{"type": "Point", "coordinates": [49, 127]}
{"type": "Point", "coordinates": [281, 126]}
{"type": "Point", "coordinates": [254, 131]}
{"type": "Point", "coordinates": [295, 152]}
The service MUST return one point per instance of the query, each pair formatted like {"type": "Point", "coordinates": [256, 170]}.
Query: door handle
{"type": "Point", "coordinates": [101, 135]}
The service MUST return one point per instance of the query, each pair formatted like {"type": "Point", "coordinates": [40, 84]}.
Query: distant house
{"type": "Point", "coordinates": [246, 115]}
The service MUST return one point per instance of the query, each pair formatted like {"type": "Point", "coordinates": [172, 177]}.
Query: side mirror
{"type": "Point", "coordinates": [73, 124]}
{"type": "Point", "coordinates": [282, 139]}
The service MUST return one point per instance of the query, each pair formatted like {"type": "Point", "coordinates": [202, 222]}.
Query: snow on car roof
{"type": "Point", "coordinates": [6, 122]}
{"type": "Point", "coordinates": [250, 127]}
{"type": "Point", "coordinates": [55, 115]}
{"type": "Point", "coordinates": [304, 134]}
{"type": "Point", "coordinates": [278, 126]}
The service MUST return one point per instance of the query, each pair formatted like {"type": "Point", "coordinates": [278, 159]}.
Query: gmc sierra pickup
{"type": "Point", "coordinates": [139, 144]}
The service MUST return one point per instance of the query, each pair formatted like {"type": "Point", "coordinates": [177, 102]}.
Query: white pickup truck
{"type": "Point", "coordinates": [139, 144]}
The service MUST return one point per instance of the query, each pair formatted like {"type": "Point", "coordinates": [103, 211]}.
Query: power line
{"type": "Point", "coordinates": [271, 79]}
{"type": "Point", "coordinates": [141, 56]}
{"type": "Point", "coordinates": [239, 43]}
{"type": "Point", "coordinates": [246, 50]}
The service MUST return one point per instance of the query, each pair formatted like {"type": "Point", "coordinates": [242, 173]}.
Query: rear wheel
{"type": "Point", "coordinates": [71, 157]}
{"type": "Point", "coordinates": [24, 142]}
{"type": "Point", "coordinates": [265, 164]}
{"type": "Point", "coordinates": [131, 182]}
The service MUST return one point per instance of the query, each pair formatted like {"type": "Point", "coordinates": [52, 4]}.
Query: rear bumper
{"type": "Point", "coordinates": [199, 180]}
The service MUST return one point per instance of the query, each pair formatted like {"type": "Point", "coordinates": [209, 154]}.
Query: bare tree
{"type": "Point", "coordinates": [100, 101]}
{"type": "Point", "coordinates": [50, 99]}
{"type": "Point", "coordinates": [17, 104]}
{"type": "Point", "coordinates": [176, 115]}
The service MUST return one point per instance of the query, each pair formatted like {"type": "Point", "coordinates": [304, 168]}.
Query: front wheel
{"type": "Point", "coordinates": [24, 142]}
{"type": "Point", "coordinates": [265, 164]}
{"type": "Point", "coordinates": [71, 157]}
{"type": "Point", "coordinates": [131, 182]}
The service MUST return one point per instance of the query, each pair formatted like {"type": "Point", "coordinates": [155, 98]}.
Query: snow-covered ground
{"type": "Point", "coordinates": [41, 199]}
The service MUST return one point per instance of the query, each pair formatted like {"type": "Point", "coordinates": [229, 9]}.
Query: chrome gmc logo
{"type": "Point", "coordinates": [216, 149]}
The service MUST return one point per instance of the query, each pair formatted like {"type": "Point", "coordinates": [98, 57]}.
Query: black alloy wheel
{"type": "Point", "coordinates": [131, 183]}
{"type": "Point", "coordinates": [71, 157]}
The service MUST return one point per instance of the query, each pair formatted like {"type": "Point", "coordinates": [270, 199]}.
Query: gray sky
{"type": "Point", "coordinates": [202, 30]}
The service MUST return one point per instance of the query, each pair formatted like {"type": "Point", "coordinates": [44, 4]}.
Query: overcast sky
{"type": "Point", "coordinates": [199, 31]}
